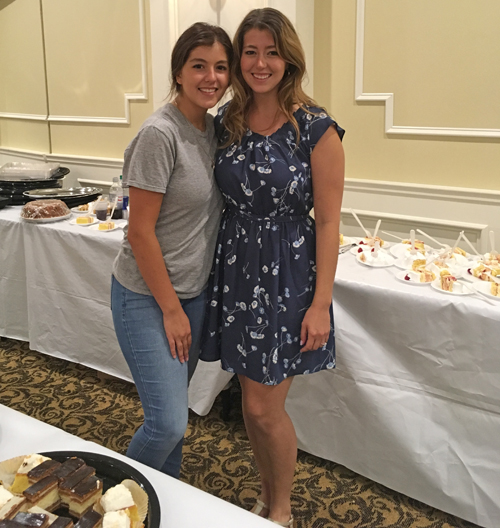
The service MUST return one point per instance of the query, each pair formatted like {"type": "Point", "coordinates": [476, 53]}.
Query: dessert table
{"type": "Point", "coordinates": [181, 504]}
{"type": "Point", "coordinates": [413, 404]}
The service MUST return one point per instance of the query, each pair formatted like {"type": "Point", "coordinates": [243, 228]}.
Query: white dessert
{"type": "Point", "coordinates": [5, 496]}
{"type": "Point", "coordinates": [117, 498]}
{"type": "Point", "coordinates": [116, 519]}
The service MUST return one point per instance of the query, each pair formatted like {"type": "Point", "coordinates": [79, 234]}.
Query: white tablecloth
{"type": "Point", "coordinates": [413, 404]}
{"type": "Point", "coordinates": [181, 505]}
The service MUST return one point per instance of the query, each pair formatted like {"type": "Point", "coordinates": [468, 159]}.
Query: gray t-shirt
{"type": "Point", "coordinates": [169, 155]}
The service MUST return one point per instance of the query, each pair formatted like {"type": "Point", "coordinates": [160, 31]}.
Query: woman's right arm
{"type": "Point", "coordinates": [144, 210]}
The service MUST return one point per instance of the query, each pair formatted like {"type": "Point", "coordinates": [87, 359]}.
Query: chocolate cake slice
{"type": "Point", "coordinates": [84, 496]}
{"type": "Point", "coordinates": [44, 494]}
{"type": "Point", "coordinates": [62, 522]}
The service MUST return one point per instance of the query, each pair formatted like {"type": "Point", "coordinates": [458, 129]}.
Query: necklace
{"type": "Point", "coordinates": [204, 150]}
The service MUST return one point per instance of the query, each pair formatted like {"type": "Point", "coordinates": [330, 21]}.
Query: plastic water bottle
{"type": "Point", "coordinates": [116, 193]}
{"type": "Point", "coordinates": [125, 193]}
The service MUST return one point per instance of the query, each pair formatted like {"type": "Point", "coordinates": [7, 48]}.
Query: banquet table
{"type": "Point", "coordinates": [413, 404]}
{"type": "Point", "coordinates": [181, 505]}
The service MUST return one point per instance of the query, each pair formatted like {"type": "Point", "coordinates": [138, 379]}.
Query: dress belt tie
{"type": "Point", "coordinates": [235, 211]}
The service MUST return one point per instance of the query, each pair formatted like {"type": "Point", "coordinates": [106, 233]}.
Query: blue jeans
{"type": "Point", "coordinates": [161, 381]}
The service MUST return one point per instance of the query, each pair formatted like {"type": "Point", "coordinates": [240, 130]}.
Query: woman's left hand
{"type": "Point", "coordinates": [315, 329]}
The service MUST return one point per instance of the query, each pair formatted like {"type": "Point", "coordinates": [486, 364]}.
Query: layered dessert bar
{"type": "Point", "coordinates": [32, 520]}
{"type": "Point", "coordinates": [21, 481]}
{"type": "Point", "coordinates": [62, 522]}
{"type": "Point", "coordinates": [69, 483]}
{"type": "Point", "coordinates": [84, 496]}
{"type": "Point", "coordinates": [14, 505]}
{"type": "Point", "coordinates": [42, 470]}
{"type": "Point", "coordinates": [91, 519]}
{"type": "Point", "coordinates": [68, 467]}
{"type": "Point", "coordinates": [44, 493]}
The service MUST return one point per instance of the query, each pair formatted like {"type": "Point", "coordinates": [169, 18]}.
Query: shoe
{"type": "Point", "coordinates": [258, 507]}
{"type": "Point", "coordinates": [288, 523]}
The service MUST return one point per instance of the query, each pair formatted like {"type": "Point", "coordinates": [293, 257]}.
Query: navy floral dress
{"type": "Point", "coordinates": [264, 272]}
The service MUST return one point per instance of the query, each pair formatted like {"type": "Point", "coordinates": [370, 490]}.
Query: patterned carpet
{"type": "Point", "coordinates": [217, 456]}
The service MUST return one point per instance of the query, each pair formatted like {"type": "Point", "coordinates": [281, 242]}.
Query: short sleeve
{"type": "Point", "coordinates": [149, 160]}
{"type": "Point", "coordinates": [315, 124]}
{"type": "Point", "coordinates": [220, 130]}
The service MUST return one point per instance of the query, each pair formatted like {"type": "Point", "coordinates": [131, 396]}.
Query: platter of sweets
{"type": "Point", "coordinates": [66, 489]}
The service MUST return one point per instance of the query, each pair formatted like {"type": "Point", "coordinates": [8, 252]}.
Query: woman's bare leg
{"type": "Point", "coordinates": [273, 441]}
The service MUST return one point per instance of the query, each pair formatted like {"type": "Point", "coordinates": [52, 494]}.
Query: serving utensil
{"type": "Point", "coordinates": [470, 245]}
{"type": "Point", "coordinates": [391, 235]}
{"type": "Point", "coordinates": [433, 239]}
{"type": "Point", "coordinates": [379, 221]}
{"type": "Point", "coordinates": [492, 242]}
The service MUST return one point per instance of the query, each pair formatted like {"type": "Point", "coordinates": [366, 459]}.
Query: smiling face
{"type": "Point", "coordinates": [204, 77]}
{"type": "Point", "coordinates": [261, 66]}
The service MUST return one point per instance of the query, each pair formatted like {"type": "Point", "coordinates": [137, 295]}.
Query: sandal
{"type": "Point", "coordinates": [258, 507]}
{"type": "Point", "coordinates": [288, 523]}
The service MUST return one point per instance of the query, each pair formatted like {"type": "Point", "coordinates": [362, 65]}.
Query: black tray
{"type": "Point", "coordinates": [4, 200]}
{"type": "Point", "coordinates": [112, 471]}
{"type": "Point", "coordinates": [28, 184]}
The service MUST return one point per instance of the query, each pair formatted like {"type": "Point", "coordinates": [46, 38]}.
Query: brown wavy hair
{"type": "Point", "coordinates": [199, 34]}
{"type": "Point", "coordinates": [290, 90]}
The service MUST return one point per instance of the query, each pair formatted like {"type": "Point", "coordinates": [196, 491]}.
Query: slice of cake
{"type": "Point", "coordinates": [418, 263]}
{"type": "Point", "coordinates": [84, 496]}
{"type": "Point", "coordinates": [447, 280]}
{"type": "Point", "coordinates": [32, 520]}
{"type": "Point", "coordinates": [44, 494]}
{"type": "Point", "coordinates": [21, 481]}
{"type": "Point", "coordinates": [84, 220]}
{"type": "Point", "coordinates": [72, 481]}
{"type": "Point", "coordinates": [91, 519]}
{"type": "Point", "coordinates": [341, 239]}
{"type": "Point", "coordinates": [42, 470]}
{"type": "Point", "coordinates": [14, 505]}
{"type": "Point", "coordinates": [68, 467]}
{"type": "Point", "coordinates": [106, 226]}
{"type": "Point", "coordinates": [495, 289]}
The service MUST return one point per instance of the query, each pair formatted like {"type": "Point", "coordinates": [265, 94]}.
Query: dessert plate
{"type": "Point", "coordinates": [398, 249]}
{"type": "Point", "coordinates": [112, 472]}
{"type": "Point", "coordinates": [359, 240]}
{"type": "Point", "coordinates": [459, 288]}
{"type": "Point", "coordinates": [410, 278]}
{"type": "Point", "coordinates": [74, 222]}
{"type": "Point", "coordinates": [95, 227]}
{"type": "Point", "coordinates": [383, 264]}
{"type": "Point", "coordinates": [348, 241]}
{"type": "Point", "coordinates": [485, 288]}
{"type": "Point", "coordinates": [46, 220]}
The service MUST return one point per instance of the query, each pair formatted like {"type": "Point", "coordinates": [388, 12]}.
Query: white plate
{"type": "Point", "coordinates": [386, 245]}
{"type": "Point", "coordinates": [95, 227]}
{"type": "Point", "coordinates": [398, 250]}
{"type": "Point", "coordinates": [375, 265]}
{"type": "Point", "coordinates": [74, 222]}
{"type": "Point", "coordinates": [76, 211]}
{"type": "Point", "coordinates": [401, 265]}
{"type": "Point", "coordinates": [401, 276]}
{"type": "Point", "coordinates": [460, 288]}
{"type": "Point", "coordinates": [46, 220]}
{"type": "Point", "coordinates": [347, 242]}
{"type": "Point", "coordinates": [485, 287]}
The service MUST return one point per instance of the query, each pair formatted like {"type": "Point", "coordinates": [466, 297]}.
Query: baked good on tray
{"type": "Point", "coordinates": [41, 209]}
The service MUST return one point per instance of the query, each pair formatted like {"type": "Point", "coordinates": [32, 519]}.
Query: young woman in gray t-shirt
{"type": "Point", "coordinates": [160, 274]}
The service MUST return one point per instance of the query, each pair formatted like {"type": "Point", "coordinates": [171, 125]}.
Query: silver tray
{"type": "Point", "coordinates": [72, 192]}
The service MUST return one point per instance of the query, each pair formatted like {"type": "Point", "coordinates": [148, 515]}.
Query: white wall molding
{"type": "Point", "coordinates": [128, 97]}
{"type": "Point", "coordinates": [388, 98]}
{"type": "Point", "coordinates": [415, 190]}
{"type": "Point", "coordinates": [89, 161]}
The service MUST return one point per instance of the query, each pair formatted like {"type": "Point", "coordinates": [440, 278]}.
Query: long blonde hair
{"type": "Point", "coordinates": [290, 90]}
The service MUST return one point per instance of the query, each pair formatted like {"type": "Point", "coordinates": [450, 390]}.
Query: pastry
{"type": "Point", "coordinates": [5, 496]}
{"type": "Point", "coordinates": [21, 481]}
{"type": "Point", "coordinates": [106, 226]}
{"type": "Point", "coordinates": [14, 505]}
{"type": "Point", "coordinates": [40, 209]}
{"type": "Point", "coordinates": [32, 520]}
{"type": "Point", "coordinates": [447, 280]}
{"type": "Point", "coordinates": [84, 496]}
{"type": "Point", "coordinates": [117, 498]}
{"type": "Point", "coordinates": [42, 470]}
{"type": "Point", "coordinates": [419, 244]}
{"type": "Point", "coordinates": [116, 519]}
{"type": "Point", "coordinates": [68, 467]}
{"type": "Point", "coordinates": [67, 484]}
{"type": "Point", "coordinates": [91, 519]}
{"type": "Point", "coordinates": [44, 494]}
{"type": "Point", "coordinates": [370, 241]}
{"type": "Point", "coordinates": [84, 220]}
{"type": "Point", "coordinates": [62, 522]}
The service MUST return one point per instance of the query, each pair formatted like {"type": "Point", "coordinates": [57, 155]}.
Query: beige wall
{"type": "Point", "coordinates": [440, 60]}
{"type": "Point", "coordinates": [88, 55]}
